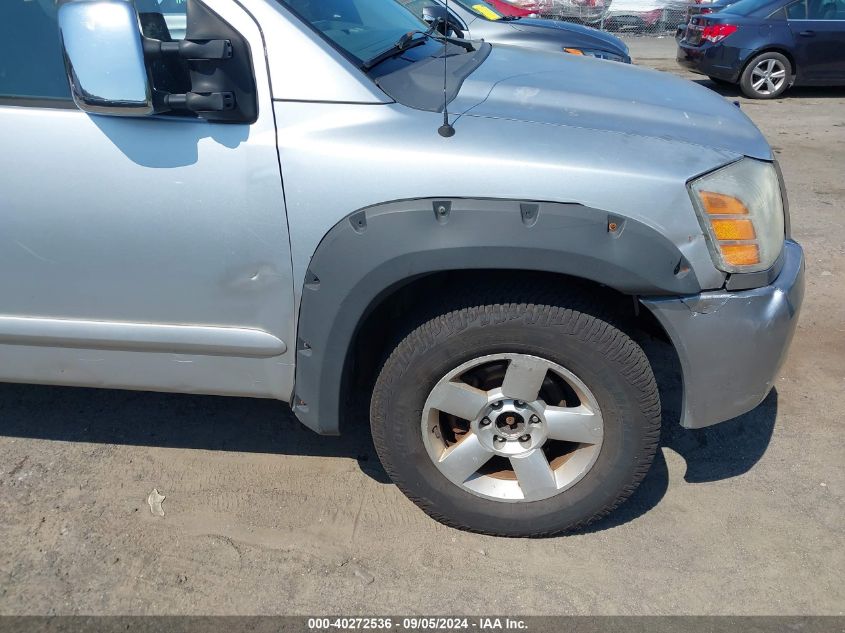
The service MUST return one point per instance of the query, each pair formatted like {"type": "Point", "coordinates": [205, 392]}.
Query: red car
{"type": "Point", "coordinates": [536, 7]}
{"type": "Point", "coordinates": [508, 9]}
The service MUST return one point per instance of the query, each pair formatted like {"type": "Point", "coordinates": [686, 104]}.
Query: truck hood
{"type": "Point", "coordinates": [567, 90]}
{"type": "Point", "coordinates": [572, 34]}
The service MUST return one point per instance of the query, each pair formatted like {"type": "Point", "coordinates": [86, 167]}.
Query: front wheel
{"type": "Point", "coordinates": [516, 418]}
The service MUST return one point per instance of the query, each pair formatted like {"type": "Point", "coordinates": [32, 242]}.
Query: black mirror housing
{"type": "Point", "coordinates": [225, 82]}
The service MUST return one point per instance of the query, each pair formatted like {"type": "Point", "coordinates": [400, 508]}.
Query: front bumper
{"type": "Point", "coordinates": [731, 345]}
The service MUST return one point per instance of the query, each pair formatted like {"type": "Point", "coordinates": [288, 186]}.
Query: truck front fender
{"type": "Point", "coordinates": [370, 253]}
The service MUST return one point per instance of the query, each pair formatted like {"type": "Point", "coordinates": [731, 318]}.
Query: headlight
{"type": "Point", "coordinates": [588, 52]}
{"type": "Point", "coordinates": [740, 208]}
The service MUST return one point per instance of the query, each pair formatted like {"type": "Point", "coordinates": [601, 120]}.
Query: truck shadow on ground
{"type": "Point", "coordinates": [732, 91]}
{"type": "Point", "coordinates": [265, 426]}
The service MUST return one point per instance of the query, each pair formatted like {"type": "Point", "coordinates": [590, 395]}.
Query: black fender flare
{"type": "Point", "coordinates": [376, 249]}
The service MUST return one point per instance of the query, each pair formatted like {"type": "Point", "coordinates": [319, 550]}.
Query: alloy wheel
{"type": "Point", "coordinates": [768, 76]}
{"type": "Point", "coordinates": [512, 427]}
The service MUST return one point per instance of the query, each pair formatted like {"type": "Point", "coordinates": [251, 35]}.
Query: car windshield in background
{"type": "Point", "coordinates": [480, 8]}
{"type": "Point", "coordinates": [747, 7]}
{"type": "Point", "coordinates": [362, 28]}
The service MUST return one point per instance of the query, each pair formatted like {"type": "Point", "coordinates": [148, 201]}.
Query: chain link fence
{"type": "Point", "coordinates": [637, 17]}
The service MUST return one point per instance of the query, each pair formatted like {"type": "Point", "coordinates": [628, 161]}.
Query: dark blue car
{"type": "Point", "coordinates": [766, 46]}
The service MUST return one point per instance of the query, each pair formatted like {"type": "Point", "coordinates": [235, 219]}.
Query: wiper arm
{"type": "Point", "coordinates": [409, 37]}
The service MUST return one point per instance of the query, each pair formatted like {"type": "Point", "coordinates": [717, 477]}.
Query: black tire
{"type": "Point", "coordinates": [746, 80]}
{"type": "Point", "coordinates": [572, 333]}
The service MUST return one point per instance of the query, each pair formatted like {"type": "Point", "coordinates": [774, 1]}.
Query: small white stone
{"type": "Point", "coordinates": [154, 501]}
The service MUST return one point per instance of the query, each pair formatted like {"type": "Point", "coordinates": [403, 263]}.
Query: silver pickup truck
{"type": "Point", "coordinates": [330, 203]}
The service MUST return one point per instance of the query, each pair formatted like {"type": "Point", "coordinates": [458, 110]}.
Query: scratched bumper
{"type": "Point", "coordinates": [731, 345]}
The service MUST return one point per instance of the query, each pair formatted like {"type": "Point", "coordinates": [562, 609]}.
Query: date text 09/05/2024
{"type": "Point", "coordinates": [417, 624]}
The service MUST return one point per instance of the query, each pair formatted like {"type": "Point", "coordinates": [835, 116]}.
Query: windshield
{"type": "Point", "coordinates": [484, 9]}
{"type": "Point", "coordinates": [362, 28]}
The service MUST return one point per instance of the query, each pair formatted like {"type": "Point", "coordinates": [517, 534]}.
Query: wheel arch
{"type": "Point", "coordinates": [771, 49]}
{"type": "Point", "coordinates": [368, 259]}
{"type": "Point", "coordinates": [382, 328]}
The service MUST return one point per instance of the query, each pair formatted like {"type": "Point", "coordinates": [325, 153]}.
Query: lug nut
{"type": "Point", "coordinates": [497, 405]}
{"type": "Point", "coordinates": [518, 403]}
{"type": "Point", "coordinates": [485, 422]}
{"type": "Point", "coordinates": [535, 419]}
{"type": "Point", "coordinates": [525, 438]}
{"type": "Point", "coordinates": [496, 438]}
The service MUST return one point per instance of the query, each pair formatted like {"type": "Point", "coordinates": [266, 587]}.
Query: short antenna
{"type": "Point", "coordinates": [446, 130]}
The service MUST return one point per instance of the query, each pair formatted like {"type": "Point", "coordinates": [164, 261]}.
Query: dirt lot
{"type": "Point", "coordinates": [264, 517]}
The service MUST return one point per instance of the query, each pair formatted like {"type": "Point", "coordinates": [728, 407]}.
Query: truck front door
{"type": "Point", "coordinates": [148, 253]}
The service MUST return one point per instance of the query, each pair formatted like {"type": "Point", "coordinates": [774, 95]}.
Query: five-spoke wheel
{"type": "Point", "coordinates": [512, 427]}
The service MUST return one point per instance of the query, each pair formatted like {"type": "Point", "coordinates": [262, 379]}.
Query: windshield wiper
{"type": "Point", "coordinates": [407, 41]}
{"type": "Point", "coordinates": [404, 43]}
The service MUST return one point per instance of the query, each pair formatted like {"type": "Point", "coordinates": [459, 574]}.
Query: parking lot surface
{"type": "Point", "coordinates": [263, 517]}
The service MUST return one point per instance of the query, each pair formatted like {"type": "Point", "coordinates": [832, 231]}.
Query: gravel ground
{"type": "Point", "coordinates": [261, 516]}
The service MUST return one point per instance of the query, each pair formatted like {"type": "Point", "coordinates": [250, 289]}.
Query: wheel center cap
{"type": "Point", "coordinates": [510, 427]}
{"type": "Point", "coordinates": [510, 424]}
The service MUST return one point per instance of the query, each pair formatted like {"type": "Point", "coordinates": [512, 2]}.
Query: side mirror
{"type": "Point", "coordinates": [437, 14]}
{"type": "Point", "coordinates": [104, 57]}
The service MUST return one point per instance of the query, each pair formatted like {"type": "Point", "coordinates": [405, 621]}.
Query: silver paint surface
{"type": "Point", "coordinates": [382, 153]}
{"type": "Point", "coordinates": [107, 72]}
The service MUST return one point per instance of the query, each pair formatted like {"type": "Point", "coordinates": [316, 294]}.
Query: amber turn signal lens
{"type": "Point", "coordinates": [740, 254]}
{"type": "Point", "coordinates": [573, 51]}
{"type": "Point", "coordinates": [722, 204]}
{"type": "Point", "coordinates": [733, 229]}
